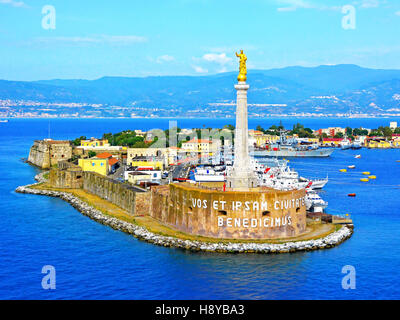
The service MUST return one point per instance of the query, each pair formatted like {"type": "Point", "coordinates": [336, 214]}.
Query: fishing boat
{"type": "Point", "coordinates": [3, 120]}
{"type": "Point", "coordinates": [352, 166]}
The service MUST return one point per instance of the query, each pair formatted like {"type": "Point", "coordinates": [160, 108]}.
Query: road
{"type": "Point", "coordinates": [181, 171]}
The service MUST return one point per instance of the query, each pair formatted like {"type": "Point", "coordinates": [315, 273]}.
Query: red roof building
{"type": "Point", "coordinates": [104, 155]}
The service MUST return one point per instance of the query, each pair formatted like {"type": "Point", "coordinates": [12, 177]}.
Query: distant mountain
{"type": "Point", "coordinates": [325, 89]}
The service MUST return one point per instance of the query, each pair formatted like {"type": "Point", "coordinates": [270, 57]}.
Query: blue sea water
{"type": "Point", "coordinates": [93, 261]}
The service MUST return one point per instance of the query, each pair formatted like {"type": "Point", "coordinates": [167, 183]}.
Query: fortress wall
{"type": "Point", "coordinates": [118, 193]}
{"type": "Point", "coordinates": [39, 155]}
{"type": "Point", "coordinates": [45, 154]}
{"type": "Point", "coordinates": [69, 178]}
{"type": "Point", "coordinates": [268, 214]}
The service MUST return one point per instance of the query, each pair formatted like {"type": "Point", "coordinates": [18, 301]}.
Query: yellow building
{"type": "Point", "coordinates": [169, 155]}
{"type": "Point", "coordinates": [379, 144]}
{"type": "Point", "coordinates": [95, 143]}
{"type": "Point", "coordinates": [332, 141]}
{"type": "Point", "coordinates": [154, 162]}
{"type": "Point", "coordinates": [97, 165]}
{"type": "Point", "coordinates": [202, 146]}
{"type": "Point", "coordinates": [396, 143]}
{"type": "Point", "coordinates": [313, 140]}
{"type": "Point", "coordinates": [103, 164]}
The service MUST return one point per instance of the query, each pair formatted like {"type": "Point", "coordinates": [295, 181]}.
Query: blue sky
{"type": "Point", "coordinates": [191, 37]}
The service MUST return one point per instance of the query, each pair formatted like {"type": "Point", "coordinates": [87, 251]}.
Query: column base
{"type": "Point", "coordinates": [241, 181]}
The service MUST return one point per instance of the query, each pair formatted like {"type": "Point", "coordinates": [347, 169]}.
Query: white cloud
{"type": "Point", "coordinates": [13, 3]}
{"type": "Point", "coordinates": [369, 3]}
{"type": "Point", "coordinates": [165, 58]}
{"type": "Point", "coordinates": [293, 5]}
{"type": "Point", "coordinates": [199, 69]}
{"type": "Point", "coordinates": [218, 58]}
{"type": "Point", "coordinates": [397, 13]}
{"type": "Point", "coordinates": [102, 39]}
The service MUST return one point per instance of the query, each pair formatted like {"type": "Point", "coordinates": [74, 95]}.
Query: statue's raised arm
{"type": "Point", "coordinates": [242, 66]}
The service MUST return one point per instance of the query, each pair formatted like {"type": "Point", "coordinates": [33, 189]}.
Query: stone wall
{"type": "Point", "coordinates": [47, 153]}
{"type": "Point", "coordinates": [122, 195]}
{"type": "Point", "coordinates": [66, 178]}
{"type": "Point", "coordinates": [264, 214]}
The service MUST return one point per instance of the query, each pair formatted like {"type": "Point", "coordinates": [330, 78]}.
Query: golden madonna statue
{"type": "Point", "coordinates": [242, 66]}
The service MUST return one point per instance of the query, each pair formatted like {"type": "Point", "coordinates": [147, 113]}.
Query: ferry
{"type": "Point", "coordinates": [3, 121]}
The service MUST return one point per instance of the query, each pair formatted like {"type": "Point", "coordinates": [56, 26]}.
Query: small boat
{"type": "Point", "coordinates": [358, 156]}
{"type": "Point", "coordinates": [351, 194]}
{"type": "Point", "coordinates": [364, 179]}
{"type": "Point", "coordinates": [372, 177]}
{"type": "Point", "coordinates": [352, 166]}
{"type": "Point", "coordinates": [343, 170]}
{"type": "Point", "coordinates": [366, 173]}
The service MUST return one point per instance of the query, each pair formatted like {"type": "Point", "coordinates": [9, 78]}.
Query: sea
{"type": "Point", "coordinates": [93, 261]}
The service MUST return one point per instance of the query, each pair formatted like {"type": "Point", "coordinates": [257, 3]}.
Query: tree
{"type": "Point", "coordinates": [91, 154]}
{"type": "Point", "coordinates": [77, 141]}
{"type": "Point", "coordinates": [259, 128]}
{"type": "Point", "coordinates": [230, 127]}
{"type": "Point", "coordinates": [338, 135]}
{"type": "Point", "coordinates": [386, 131]}
{"type": "Point", "coordinates": [349, 131]}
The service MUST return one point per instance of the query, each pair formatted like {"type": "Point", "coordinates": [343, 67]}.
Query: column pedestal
{"type": "Point", "coordinates": [242, 176]}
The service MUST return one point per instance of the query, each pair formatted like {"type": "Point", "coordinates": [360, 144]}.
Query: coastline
{"type": "Point", "coordinates": [142, 233]}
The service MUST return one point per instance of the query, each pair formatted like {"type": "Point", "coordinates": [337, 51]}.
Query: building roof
{"type": "Point", "coordinates": [112, 161]}
{"type": "Point", "coordinates": [138, 173]}
{"type": "Point", "coordinates": [50, 141]}
{"type": "Point", "coordinates": [195, 140]}
{"type": "Point", "coordinates": [333, 139]}
{"type": "Point", "coordinates": [104, 155]}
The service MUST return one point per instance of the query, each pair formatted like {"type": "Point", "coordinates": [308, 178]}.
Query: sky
{"type": "Point", "coordinates": [91, 39]}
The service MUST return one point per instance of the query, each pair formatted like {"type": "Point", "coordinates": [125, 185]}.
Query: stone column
{"type": "Point", "coordinates": [242, 176]}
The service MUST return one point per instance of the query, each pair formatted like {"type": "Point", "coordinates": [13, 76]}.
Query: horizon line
{"type": "Point", "coordinates": [204, 75]}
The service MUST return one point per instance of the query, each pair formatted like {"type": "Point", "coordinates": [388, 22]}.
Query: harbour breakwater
{"type": "Point", "coordinates": [142, 233]}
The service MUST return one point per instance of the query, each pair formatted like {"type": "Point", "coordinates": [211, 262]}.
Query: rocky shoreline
{"type": "Point", "coordinates": [329, 241]}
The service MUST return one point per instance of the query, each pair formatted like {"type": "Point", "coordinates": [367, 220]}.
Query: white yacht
{"type": "Point", "coordinates": [314, 203]}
